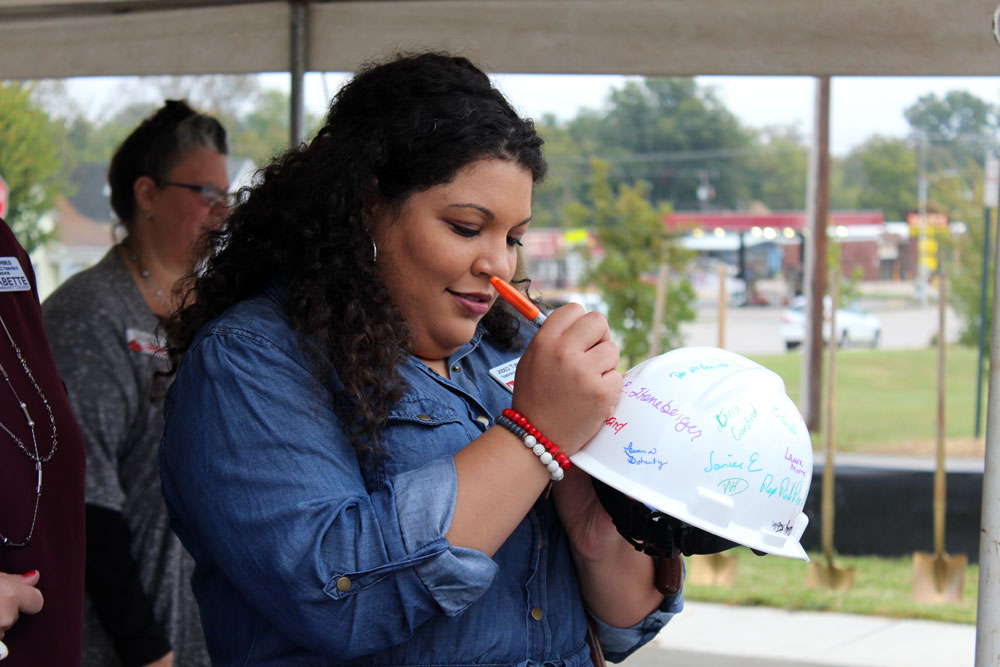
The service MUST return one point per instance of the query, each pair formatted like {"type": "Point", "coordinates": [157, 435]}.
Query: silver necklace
{"type": "Point", "coordinates": [144, 272]}
{"type": "Point", "coordinates": [34, 456]}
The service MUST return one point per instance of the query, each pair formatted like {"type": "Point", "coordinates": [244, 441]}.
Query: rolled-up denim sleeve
{"type": "Point", "coordinates": [425, 501]}
{"type": "Point", "coordinates": [620, 643]}
{"type": "Point", "coordinates": [264, 488]}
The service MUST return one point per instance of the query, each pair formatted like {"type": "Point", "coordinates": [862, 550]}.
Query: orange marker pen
{"type": "Point", "coordinates": [518, 300]}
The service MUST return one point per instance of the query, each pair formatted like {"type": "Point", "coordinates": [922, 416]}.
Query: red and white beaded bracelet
{"type": "Point", "coordinates": [547, 451]}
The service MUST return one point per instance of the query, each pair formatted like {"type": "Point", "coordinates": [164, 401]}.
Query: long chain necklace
{"type": "Point", "coordinates": [39, 460]}
{"type": "Point", "coordinates": [144, 272]}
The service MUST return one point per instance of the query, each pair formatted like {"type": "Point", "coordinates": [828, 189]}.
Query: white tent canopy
{"type": "Point", "coordinates": [59, 38]}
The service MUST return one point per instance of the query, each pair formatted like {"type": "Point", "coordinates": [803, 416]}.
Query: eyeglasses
{"type": "Point", "coordinates": [210, 194]}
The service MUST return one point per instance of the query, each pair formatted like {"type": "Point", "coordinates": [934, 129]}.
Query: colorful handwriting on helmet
{"type": "Point", "coordinates": [733, 486]}
{"type": "Point", "coordinates": [638, 457]}
{"type": "Point", "coordinates": [784, 420]}
{"type": "Point", "coordinates": [728, 417]}
{"type": "Point", "coordinates": [615, 425]}
{"type": "Point", "coordinates": [733, 464]}
{"type": "Point", "coordinates": [682, 422]}
{"type": "Point", "coordinates": [782, 527]}
{"type": "Point", "coordinates": [680, 375]}
{"type": "Point", "coordinates": [785, 489]}
{"type": "Point", "coordinates": [794, 463]}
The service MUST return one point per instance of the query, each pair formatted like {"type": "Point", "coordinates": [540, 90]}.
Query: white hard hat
{"type": "Point", "coordinates": [710, 438]}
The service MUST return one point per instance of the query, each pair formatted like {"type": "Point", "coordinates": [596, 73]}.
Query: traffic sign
{"type": "Point", "coordinates": [4, 198]}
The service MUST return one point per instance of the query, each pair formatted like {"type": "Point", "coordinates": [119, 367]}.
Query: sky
{"type": "Point", "coordinates": [859, 106]}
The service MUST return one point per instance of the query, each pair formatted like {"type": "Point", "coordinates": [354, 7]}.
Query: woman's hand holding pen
{"type": "Point", "coordinates": [567, 381]}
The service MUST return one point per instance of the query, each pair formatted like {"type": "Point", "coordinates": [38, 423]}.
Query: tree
{"type": "Point", "coordinates": [263, 131]}
{"type": "Point", "coordinates": [567, 177]}
{"type": "Point", "coordinates": [29, 162]}
{"type": "Point", "coordinates": [256, 120]}
{"type": "Point", "coordinates": [95, 143]}
{"type": "Point", "coordinates": [960, 129]}
{"type": "Point", "coordinates": [777, 178]}
{"type": "Point", "coordinates": [631, 236]}
{"type": "Point", "coordinates": [882, 175]}
{"type": "Point", "coordinates": [959, 126]}
{"type": "Point", "coordinates": [960, 195]}
{"type": "Point", "coordinates": [673, 134]}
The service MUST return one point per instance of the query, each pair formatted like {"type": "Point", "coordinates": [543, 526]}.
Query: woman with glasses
{"type": "Point", "coordinates": [168, 185]}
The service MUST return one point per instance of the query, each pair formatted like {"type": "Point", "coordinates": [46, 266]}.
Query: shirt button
{"type": "Point", "coordinates": [541, 542]}
{"type": "Point", "coordinates": [424, 418]}
{"type": "Point", "coordinates": [536, 613]}
{"type": "Point", "coordinates": [456, 368]}
{"type": "Point", "coordinates": [343, 584]}
{"type": "Point", "coordinates": [483, 419]}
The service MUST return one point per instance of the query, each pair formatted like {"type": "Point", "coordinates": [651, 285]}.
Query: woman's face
{"type": "Point", "coordinates": [180, 214]}
{"type": "Point", "coordinates": [437, 255]}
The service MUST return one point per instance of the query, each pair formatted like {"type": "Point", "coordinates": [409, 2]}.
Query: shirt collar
{"type": "Point", "coordinates": [457, 356]}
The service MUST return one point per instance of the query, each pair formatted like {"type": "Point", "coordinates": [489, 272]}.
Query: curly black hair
{"type": "Point", "coordinates": [395, 129]}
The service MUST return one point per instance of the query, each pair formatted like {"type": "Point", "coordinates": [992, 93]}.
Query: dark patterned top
{"type": "Point", "coordinates": [102, 336]}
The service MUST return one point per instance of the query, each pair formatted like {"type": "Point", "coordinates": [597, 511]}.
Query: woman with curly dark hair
{"type": "Point", "coordinates": [335, 457]}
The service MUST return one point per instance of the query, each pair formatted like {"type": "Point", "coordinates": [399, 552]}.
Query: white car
{"type": "Point", "coordinates": [855, 326]}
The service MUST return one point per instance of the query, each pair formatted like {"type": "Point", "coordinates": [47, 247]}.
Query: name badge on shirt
{"type": "Point", "coordinates": [145, 342]}
{"type": "Point", "coordinates": [12, 278]}
{"type": "Point", "coordinates": [504, 374]}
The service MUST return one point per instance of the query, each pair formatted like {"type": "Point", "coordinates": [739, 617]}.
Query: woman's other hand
{"type": "Point", "coordinates": [567, 380]}
{"type": "Point", "coordinates": [18, 595]}
{"type": "Point", "coordinates": [591, 532]}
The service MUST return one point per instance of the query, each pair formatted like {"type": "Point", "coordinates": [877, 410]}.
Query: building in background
{"type": "Point", "coordinates": [752, 247]}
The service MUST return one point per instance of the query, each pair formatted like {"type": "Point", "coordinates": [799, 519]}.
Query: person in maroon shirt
{"type": "Point", "coordinates": [41, 483]}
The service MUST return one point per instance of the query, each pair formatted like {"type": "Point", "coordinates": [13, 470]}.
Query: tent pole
{"type": "Point", "coordinates": [297, 70]}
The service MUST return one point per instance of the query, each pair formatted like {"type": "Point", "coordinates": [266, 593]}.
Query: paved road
{"type": "Point", "coordinates": [755, 330]}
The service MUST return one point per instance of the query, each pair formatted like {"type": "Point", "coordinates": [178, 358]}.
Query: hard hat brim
{"type": "Point", "coordinates": [712, 505]}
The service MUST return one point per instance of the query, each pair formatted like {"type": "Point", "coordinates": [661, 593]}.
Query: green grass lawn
{"type": "Point", "coordinates": [886, 400]}
{"type": "Point", "coordinates": [882, 587]}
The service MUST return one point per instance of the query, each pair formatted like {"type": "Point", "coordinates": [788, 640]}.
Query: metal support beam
{"type": "Point", "coordinates": [298, 47]}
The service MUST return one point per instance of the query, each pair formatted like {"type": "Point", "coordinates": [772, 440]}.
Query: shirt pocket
{"type": "Point", "coordinates": [419, 430]}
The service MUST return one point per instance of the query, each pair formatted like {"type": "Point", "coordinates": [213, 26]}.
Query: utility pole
{"type": "Point", "coordinates": [991, 199]}
{"type": "Point", "coordinates": [922, 270]}
{"type": "Point", "coordinates": [705, 191]}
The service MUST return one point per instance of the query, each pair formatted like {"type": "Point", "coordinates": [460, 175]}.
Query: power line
{"type": "Point", "coordinates": [679, 156]}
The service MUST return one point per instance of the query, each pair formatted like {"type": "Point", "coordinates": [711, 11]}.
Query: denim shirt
{"type": "Point", "coordinates": [305, 558]}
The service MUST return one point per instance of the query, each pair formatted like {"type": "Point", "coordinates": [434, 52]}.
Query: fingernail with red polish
{"type": "Point", "coordinates": [29, 575]}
